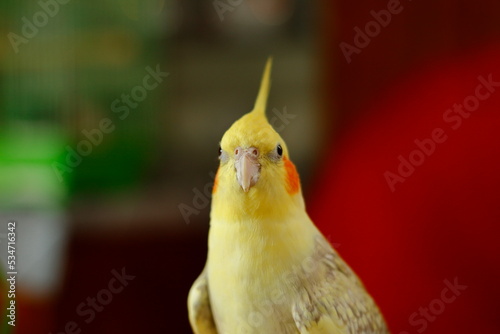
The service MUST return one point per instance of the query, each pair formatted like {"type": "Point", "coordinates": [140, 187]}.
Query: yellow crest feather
{"type": "Point", "coordinates": [265, 85]}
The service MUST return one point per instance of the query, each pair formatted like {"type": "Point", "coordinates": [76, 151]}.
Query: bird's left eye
{"type": "Point", "coordinates": [276, 154]}
{"type": "Point", "coordinates": [279, 150]}
{"type": "Point", "coordinates": [220, 151]}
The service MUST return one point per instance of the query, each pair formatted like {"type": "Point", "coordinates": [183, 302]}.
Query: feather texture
{"type": "Point", "coordinates": [269, 269]}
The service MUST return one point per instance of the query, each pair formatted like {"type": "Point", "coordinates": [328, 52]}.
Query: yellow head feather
{"type": "Point", "coordinates": [253, 128]}
{"type": "Point", "coordinates": [278, 179]}
{"type": "Point", "coordinates": [265, 86]}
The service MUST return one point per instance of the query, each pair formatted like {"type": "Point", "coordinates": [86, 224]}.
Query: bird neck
{"type": "Point", "coordinates": [255, 206]}
{"type": "Point", "coordinates": [290, 240]}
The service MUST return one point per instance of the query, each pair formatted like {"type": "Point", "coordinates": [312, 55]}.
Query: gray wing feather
{"type": "Point", "coordinates": [333, 296]}
{"type": "Point", "coordinates": [200, 311]}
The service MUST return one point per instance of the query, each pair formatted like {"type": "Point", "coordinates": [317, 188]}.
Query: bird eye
{"type": "Point", "coordinates": [223, 157]}
{"type": "Point", "coordinates": [276, 154]}
{"type": "Point", "coordinates": [279, 149]}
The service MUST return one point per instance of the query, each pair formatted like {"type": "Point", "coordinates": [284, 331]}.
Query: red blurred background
{"type": "Point", "coordinates": [440, 222]}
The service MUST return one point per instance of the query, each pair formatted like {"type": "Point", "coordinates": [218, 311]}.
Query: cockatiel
{"type": "Point", "coordinates": [269, 269]}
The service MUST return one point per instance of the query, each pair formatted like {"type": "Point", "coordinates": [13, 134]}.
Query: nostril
{"type": "Point", "coordinates": [236, 151]}
{"type": "Point", "coordinates": [255, 152]}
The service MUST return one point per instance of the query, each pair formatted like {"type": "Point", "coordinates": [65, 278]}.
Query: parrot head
{"type": "Point", "coordinates": [256, 176]}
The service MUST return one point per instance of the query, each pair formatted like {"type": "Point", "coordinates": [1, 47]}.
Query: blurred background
{"type": "Point", "coordinates": [110, 117]}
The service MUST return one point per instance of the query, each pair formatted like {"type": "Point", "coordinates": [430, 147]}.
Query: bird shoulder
{"type": "Point", "coordinates": [199, 309]}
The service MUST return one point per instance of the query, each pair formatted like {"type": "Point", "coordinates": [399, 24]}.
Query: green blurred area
{"type": "Point", "coordinates": [63, 81]}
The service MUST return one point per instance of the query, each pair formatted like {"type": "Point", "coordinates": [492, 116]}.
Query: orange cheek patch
{"type": "Point", "coordinates": [292, 177]}
{"type": "Point", "coordinates": [216, 182]}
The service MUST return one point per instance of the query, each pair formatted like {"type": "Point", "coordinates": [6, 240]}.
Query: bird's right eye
{"type": "Point", "coordinates": [223, 157]}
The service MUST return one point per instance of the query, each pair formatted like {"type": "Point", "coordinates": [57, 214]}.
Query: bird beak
{"type": "Point", "coordinates": [247, 167]}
